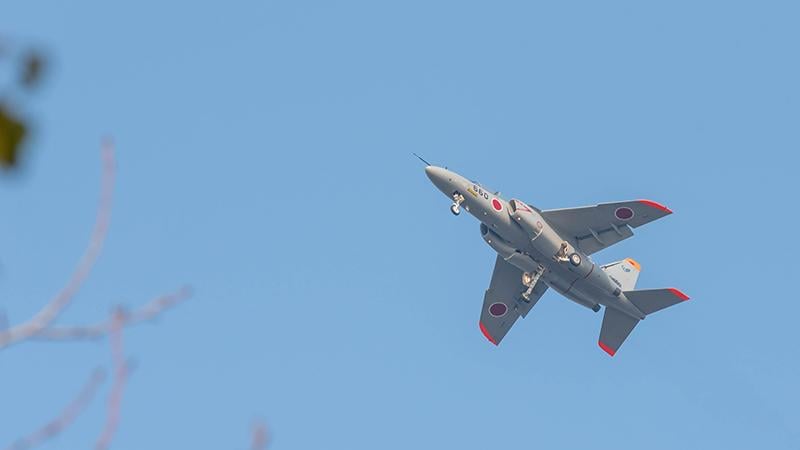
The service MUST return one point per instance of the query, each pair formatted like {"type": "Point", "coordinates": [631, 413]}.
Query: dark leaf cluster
{"type": "Point", "coordinates": [27, 68]}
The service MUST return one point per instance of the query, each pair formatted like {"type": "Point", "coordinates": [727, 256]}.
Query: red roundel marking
{"type": "Point", "coordinates": [624, 213]}
{"type": "Point", "coordinates": [498, 309]}
{"type": "Point", "coordinates": [497, 205]}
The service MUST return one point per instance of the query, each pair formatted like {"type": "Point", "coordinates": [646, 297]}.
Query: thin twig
{"type": "Point", "coordinates": [121, 371]}
{"type": "Point", "coordinates": [67, 416]}
{"type": "Point", "coordinates": [148, 312]}
{"type": "Point", "coordinates": [51, 310]}
{"type": "Point", "coordinates": [259, 436]}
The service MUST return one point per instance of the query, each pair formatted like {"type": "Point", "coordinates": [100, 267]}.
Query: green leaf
{"type": "Point", "coordinates": [12, 132]}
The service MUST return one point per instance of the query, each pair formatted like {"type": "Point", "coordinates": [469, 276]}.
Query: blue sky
{"type": "Point", "coordinates": [264, 154]}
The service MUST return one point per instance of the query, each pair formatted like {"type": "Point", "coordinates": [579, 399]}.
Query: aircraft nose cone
{"type": "Point", "coordinates": [439, 177]}
{"type": "Point", "coordinates": [430, 171]}
{"type": "Point", "coordinates": [435, 174]}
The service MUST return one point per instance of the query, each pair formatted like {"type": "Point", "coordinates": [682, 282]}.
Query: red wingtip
{"type": "Point", "coordinates": [606, 348]}
{"type": "Point", "coordinates": [656, 205]}
{"type": "Point", "coordinates": [679, 294]}
{"type": "Point", "coordinates": [486, 333]}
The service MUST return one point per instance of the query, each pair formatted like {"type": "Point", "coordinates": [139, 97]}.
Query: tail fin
{"type": "Point", "coordinates": [651, 300]}
{"type": "Point", "coordinates": [616, 327]}
{"type": "Point", "coordinates": [624, 273]}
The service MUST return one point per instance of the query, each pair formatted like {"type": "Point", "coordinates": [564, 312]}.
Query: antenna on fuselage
{"type": "Point", "coordinates": [421, 159]}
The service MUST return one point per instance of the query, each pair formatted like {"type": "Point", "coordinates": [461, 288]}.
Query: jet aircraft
{"type": "Point", "coordinates": [537, 250]}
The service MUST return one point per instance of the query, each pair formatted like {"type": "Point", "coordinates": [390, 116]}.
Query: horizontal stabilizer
{"type": "Point", "coordinates": [651, 300]}
{"type": "Point", "coordinates": [616, 327]}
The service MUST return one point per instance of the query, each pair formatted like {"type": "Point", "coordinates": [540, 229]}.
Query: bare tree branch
{"type": "Point", "coordinates": [67, 416]}
{"type": "Point", "coordinates": [51, 310]}
{"type": "Point", "coordinates": [40, 327]}
{"type": "Point", "coordinates": [259, 436]}
{"type": "Point", "coordinates": [146, 313]}
{"type": "Point", "coordinates": [121, 371]}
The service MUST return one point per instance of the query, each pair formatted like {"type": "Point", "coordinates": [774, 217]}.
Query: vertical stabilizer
{"type": "Point", "coordinates": [616, 327]}
{"type": "Point", "coordinates": [624, 273]}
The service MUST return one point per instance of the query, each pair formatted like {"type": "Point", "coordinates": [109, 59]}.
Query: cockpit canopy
{"type": "Point", "coordinates": [515, 205]}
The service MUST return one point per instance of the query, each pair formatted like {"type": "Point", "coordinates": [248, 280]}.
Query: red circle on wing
{"type": "Point", "coordinates": [497, 205]}
{"type": "Point", "coordinates": [624, 213]}
{"type": "Point", "coordinates": [498, 309]}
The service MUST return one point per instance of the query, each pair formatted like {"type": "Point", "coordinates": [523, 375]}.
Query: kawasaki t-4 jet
{"type": "Point", "coordinates": [539, 249]}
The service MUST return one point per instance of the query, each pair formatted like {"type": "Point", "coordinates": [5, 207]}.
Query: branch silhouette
{"type": "Point", "coordinates": [40, 327]}
{"type": "Point", "coordinates": [61, 300]}
{"type": "Point", "coordinates": [55, 426]}
{"type": "Point", "coordinates": [259, 436]}
{"type": "Point", "coordinates": [121, 372]}
{"type": "Point", "coordinates": [147, 312]}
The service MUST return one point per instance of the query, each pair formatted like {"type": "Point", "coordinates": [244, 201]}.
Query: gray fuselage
{"type": "Point", "coordinates": [521, 236]}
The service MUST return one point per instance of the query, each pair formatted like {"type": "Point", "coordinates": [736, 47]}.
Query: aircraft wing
{"type": "Point", "coordinates": [593, 228]}
{"type": "Point", "coordinates": [503, 303]}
